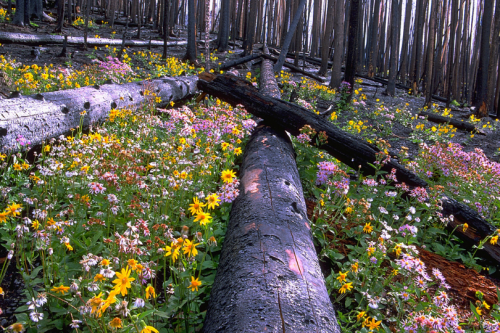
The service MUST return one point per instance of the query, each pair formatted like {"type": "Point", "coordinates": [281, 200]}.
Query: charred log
{"type": "Point", "coordinates": [268, 278]}
{"type": "Point", "coordinates": [295, 68]}
{"type": "Point", "coordinates": [236, 62]}
{"type": "Point", "coordinates": [454, 122]}
{"type": "Point", "coordinates": [43, 116]}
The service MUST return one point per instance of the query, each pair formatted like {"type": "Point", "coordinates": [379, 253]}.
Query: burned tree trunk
{"type": "Point", "coordinates": [269, 278]}
{"type": "Point", "coordinates": [43, 116]}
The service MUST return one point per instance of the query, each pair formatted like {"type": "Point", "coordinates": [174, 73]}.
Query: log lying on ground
{"type": "Point", "coordinates": [268, 84]}
{"type": "Point", "coordinates": [268, 278]}
{"type": "Point", "coordinates": [239, 61]}
{"type": "Point", "coordinates": [43, 116]}
{"type": "Point", "coordinates": [295, 68]}
{"type": "Point", "coordinates": [347, 148]}
{"type": "Point", "coordinates": [35, 39]}
{"type": "Point", "coordinates": [454, 122]}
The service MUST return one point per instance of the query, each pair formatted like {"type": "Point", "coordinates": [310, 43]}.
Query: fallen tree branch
{"type": "Point", "coordinates": [48, 115]}
{"type": "Point", "coordinates": [347, 148]}
{"type": "Point", "coordinates": [239, 61]}
{"type": "Point", "coordinates": [295, 68]}
{"type": "Point", "coordinates": [35, 39]}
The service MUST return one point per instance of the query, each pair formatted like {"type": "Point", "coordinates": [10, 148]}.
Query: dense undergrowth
{"type": "Point", "coordinates": [120, 229]}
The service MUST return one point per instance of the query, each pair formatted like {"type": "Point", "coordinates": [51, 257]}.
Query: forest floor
{"type": "Point", "coordinates": [374, 101]}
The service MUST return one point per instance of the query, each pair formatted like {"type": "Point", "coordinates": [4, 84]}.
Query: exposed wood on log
{"type": "Point", "coordinates": [34, 39]}
{"type": "Point", "coordinates": [43, 116]}
{"type": "Point", "coordinates": [347, 148]}
{"type": "Point", "coordinates": [454, 122]}
{"type": "Point", "coordinates": [295, 68]}
{"type": "Point", "coordinates": [269, 278]}
{"type": "Point", "coordinates": [239, 61]}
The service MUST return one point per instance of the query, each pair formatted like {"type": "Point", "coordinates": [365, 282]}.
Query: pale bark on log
{"type": "Point", "coordinates": [34, 39]}
{"type": "Point", "coordinates": [347, 148]}
{"type": "Point", "coordinates": [48, 115]}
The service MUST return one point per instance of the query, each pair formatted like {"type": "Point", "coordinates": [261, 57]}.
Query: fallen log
{"type": "Point", "coordinates": [295, 68]}
{"type": "Point", "coordinates": [35, 39]}
{"type": "Point", "coordinates": [269, 278]}
{"type": "Point", "coordinates": [347, 148]}
{"type": "Point", "coordinates": [239, 61]}
{"type": "Point", "coordinates": [454, 122]}
{"type": "Point", "coordinates": [48, 115]}
{"type": "Point", "coordinates": [268, 84]}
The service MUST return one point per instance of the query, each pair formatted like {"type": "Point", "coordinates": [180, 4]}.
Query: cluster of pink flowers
{"type": "Point", "coordinates": [229, 191]}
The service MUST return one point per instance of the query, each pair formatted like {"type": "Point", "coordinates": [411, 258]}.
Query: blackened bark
{"type": "Point", "coordinates": [480, 97]}
{"type": "Point", "coordinates": [338, 48]}
{"type": "Point", "coordinates": [60, 15]}
{"type": "Point", "coordinates": [451, 50]}
{"type": "Point", "coordinates": [223, 36]}
{"type": "Point", "coordinates": [430, 54]}
{"type": "Point", "coordinates": [19, 17]}
{"type": "Point", "coordinates": [350, 67]}
{"type": "Point", "coordinates": [191, 52]}
{"type": "Point", "coordinates": [372, 59]}
{"type": "Point", "coordinates": [492, 67]}
{"type": "Point", "coordinates": [391, 87]}
{"type": "Point", "coordinates": [327, 37]}
{"type": "Point", "coordinates": [405, 46]}
{"type": "Point", "coordinates": [419, 29]}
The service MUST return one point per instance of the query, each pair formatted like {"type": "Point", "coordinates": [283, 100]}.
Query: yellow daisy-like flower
{"type": "Point", "coordinates": [104, 262]}
{"type": "Point", "coordinates": [61, 289]}
{"type": "Point", "coordinates": [172, 250]}
{"type": "Point", "coordinates": [494, 240]}
{"type": "Point", "coordinates": [3, 216]}
{"type": "Point", "coordinates": [213, 200]}
{"type": "Point", "coordinates": [342, 276]}
{"type": "Point", "coordinates": [149, 329]}
{"type": "Point", "coordinates": [203, 217]}
{"type": "Point", "coordinates": [190, 248]}
{"type": "Point", "coordinates": [115, 323]}
{"type": "Point", "coordinates": [237, 151]}
{"type": "Point", "coordinates": [368, 228]}
{"type": "Point", "coordinates": [132, 263]}
{"type": "Point", "coordinates": [150, 291]}
{"type": "Point", "coordinates": [123, 281]}
{"type": "Point", "coordinates": [110, 300]}
{"type": "Point", "coordinates": [228, 175]}
{"type": "Point", "coordinates": [13, 209]}
{"type": "Point", "coordinates": [196, 206]}
{"type": "Point", "coordinates": [195, 283]}
{"type": "Point", "coordinates": [345, 287]}
{"type": "Point", "coordinates": [373, 324]}
{"type": "Point", "coordinates": [99, 278]}
{"type": "Point", "coordinates": [95, 302]}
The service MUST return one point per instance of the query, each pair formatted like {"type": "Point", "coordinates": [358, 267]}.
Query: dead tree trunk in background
{"type": "Point", "coordinates": [419, 29]}
{"type": "Point", "coordinates": [60, 15]}
{"type": "Point", "coordinates": [316, 28]}
{"type": "Point", "coordinates": [451, 50]}
{"type": "Point", "coordinates": [166, 32]}
{"type": "Point", "coordinates": [327, 37]}
{"type": "Point", "coordinates": [338, 48]}
{"type": "Point", "coordinates": [391, 86]}
{"type": "Point", "coordinates": [430, 54]}
{"type": "Point", "coordinates": [480, 98]}
{"type": "Point", "coordinates": [22, 7]}
{"type": "Point", "coordinates": [223, 36]}
{"type": "Point", "coordinates": [492, 67]}
{"type": "Point", "coordinates": [372, 58]}
{"type": "Point", "coordinates": [350, 66]}
{"type": "Point", "coordinates": [250, 28]}
{"type": "Point", "coordinates": [289, 36]}
{"type": "Point", "coordinates": [405, 46]}
{"type": "Point", "coordinates": [191, 52]}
